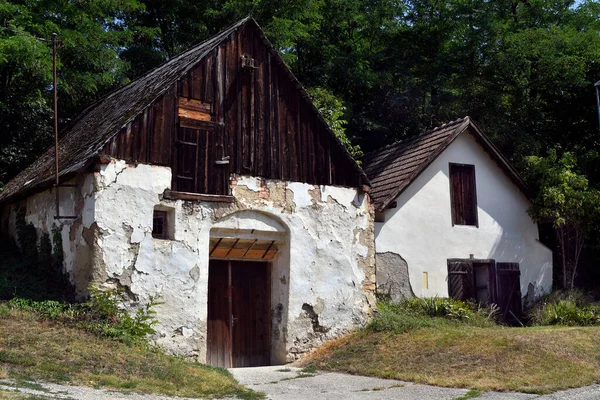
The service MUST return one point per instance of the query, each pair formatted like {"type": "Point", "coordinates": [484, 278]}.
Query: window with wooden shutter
{"type": "Point", "coordinates": [484, 276]}
{"type": "Point", "coordinates": [463, 195]}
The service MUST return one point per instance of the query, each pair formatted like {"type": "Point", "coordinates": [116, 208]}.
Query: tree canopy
{"type": "Point", "coordinates": [383, 70]}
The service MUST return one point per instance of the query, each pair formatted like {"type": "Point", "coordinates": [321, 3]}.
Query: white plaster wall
{"type": "Point", "coordinates": [330, 252]}
{"type": "Point", "coordinates": [40, 210]}
{"type": "Point", "coordinates": [420, 227]}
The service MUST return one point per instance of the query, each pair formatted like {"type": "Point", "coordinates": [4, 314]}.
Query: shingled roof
{"type": "Point", "coordinates": [86, 136]}
{"type": "Point", "coordinates": [393, 168]}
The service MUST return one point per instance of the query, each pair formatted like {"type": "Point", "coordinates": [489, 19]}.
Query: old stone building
{"type": "Point", "coordinates": [213, 182]}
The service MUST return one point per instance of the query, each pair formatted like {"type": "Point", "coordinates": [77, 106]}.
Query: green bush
{"type": "Point", "coordinates": [430, 312]}
{"type": "Point", "coordinates": [102, 314]}
{"type": "Point", "coordinates": [572, 308]}
{"type": "Point", "coordinates": [109, 319]}
{"type": "Point", "coordinates": [49, 309]}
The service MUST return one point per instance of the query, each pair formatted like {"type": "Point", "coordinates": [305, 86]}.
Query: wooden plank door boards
{"type": "Point", "coordinates": [238, 314]}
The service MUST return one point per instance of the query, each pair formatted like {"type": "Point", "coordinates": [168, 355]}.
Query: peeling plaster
{"type": "Point", "coordinates": [323, 279]}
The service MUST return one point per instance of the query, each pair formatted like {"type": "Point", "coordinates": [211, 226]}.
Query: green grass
{"type": "Point", "coordinates": [16, 395]}
{"type": "Point", "coordinates": [471, 354]}
{"type": "Point", "coordinates": [471, 394]}
{"type": "Point", "coordinates": [33, 349]}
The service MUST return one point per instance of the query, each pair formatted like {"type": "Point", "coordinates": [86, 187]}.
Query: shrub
{"type": "Point", "coordinates": [102, 314]}
{"type": "Point", "coordinates": [108, 318]}
{"type": "Point", "coordinates": [49, 309]}
{"type": "Point", "coordinates": [573, 308]}
{"type": "Point", "coordinates": [430, 312]}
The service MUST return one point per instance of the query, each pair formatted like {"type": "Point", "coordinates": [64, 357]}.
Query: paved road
{"type": "Point", "coordinates": [288, 383]}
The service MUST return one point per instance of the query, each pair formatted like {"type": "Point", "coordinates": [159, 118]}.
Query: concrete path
{"type": "Point", "coordinates": [288, 383]}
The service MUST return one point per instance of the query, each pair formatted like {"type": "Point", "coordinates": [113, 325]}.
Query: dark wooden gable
{"type": "Point", "coordinates": [238, 110]}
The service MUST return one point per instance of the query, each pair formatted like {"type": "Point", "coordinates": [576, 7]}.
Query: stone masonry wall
{"type": "Point", "coordinates": [322, 285]}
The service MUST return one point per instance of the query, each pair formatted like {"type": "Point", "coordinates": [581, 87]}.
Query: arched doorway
{"type": "Point", "coordinates": [249, 252]}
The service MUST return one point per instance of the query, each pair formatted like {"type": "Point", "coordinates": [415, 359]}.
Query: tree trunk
{"type": "Point", "coordinates": [560, 233]}
{"type": "Point", "coordinates": [579, 242]}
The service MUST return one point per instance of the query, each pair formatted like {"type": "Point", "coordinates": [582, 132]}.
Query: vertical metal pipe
{"type": "Point", "coordinates": [230, 300]}
{"type": "Point", "coordinates": [55, 104]}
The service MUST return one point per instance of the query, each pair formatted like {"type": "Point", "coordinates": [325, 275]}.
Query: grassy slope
{"type": "Point", "coordinates": [537, 360]}
{"type": "Point", "coordinates": [32, 349]}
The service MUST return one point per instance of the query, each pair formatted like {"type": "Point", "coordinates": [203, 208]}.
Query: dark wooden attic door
{"type": "Point", "coordinates": [201, 164]}
{"type": "Point", "coordinates": [197, 169]}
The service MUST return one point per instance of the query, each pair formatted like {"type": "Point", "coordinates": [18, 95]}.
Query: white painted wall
{"type": "Point", "coordinates": [328, 263]}
{"type": "Point", "coordinates": [420, 227]}
{"type": "Point", "coordinates": [326, 258]}
{"type": "Point", "coordinates": [40, 210]}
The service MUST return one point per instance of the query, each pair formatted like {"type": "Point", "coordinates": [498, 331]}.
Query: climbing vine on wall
{"type": "Point", "coordinates": [34, 268]}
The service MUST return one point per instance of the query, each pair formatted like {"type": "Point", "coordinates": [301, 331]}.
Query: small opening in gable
{"type": "Point", "coordinates": [163, 224]}
{"type": "Point", "coordinates": [379, 216]}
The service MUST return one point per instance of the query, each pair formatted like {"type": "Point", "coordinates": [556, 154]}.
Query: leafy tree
{"type": "Point", "coordinates": [566, 200]}
{"type": "Point", "coordinates": [332, 109]}
{"type": "Point", "coordinates": [91, 34]}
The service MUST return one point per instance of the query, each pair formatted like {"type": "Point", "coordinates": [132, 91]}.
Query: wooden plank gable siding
{"type": "Point", "coordinates": [262, 125]}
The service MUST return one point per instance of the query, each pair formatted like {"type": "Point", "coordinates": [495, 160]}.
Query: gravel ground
{"type": "Point", "coordinates": [289, 383]}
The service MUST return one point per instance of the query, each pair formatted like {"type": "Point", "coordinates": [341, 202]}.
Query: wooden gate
{"type": "Point", "coordinates": [238, 314]}
{"type": "Point", "coordinates": [509, 291]}
{"type": "Point", "coordinates": [460, 280]}
{"type": "Point", "coordinates": [487, 282]}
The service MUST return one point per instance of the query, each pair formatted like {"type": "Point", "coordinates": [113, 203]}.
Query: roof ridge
{"type": "Point", "coordinates": [402, 161]}
{"type": "Point", "coordinates": [425, 133]}
{"type": "Point", "coordinates": [445, 125]}
{"type": "Point", "coordinates": [387, 146]}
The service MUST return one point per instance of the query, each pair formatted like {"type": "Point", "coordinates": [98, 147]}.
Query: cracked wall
{"type": "Point", "coordinates": [78, 236]}
{"type": "Point", "coordinates": [325, 273]}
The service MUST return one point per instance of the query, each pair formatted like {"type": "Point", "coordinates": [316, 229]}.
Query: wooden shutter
{"type": "Point", "coordinates": [463, 194]}
{"type": "Point", "coordinates": [460, 280]}
{"type": "Point", "coordinates": [508, 277]}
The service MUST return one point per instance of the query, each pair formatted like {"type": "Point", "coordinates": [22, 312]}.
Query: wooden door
{"type": "Point", "coordinates": [509, 291]}
{"type": "Point", "coordinates": [218, 352]}
{"type": "Point", "coordinates": [484, 275]}
{"type": "Point", "coordinates": [238, 314]}
{"type": "Point", "coordinates": [251, 316]}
